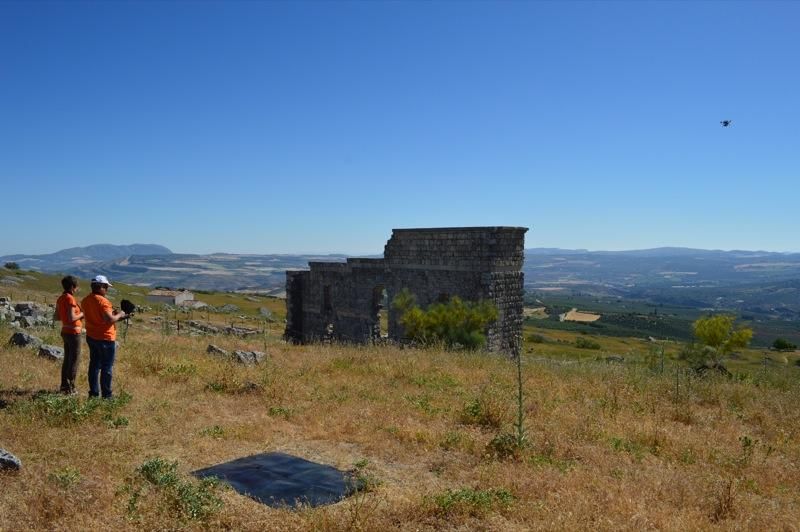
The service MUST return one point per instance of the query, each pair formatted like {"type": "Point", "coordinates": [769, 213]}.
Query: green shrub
{"type": "Point", "coordinates": [179, 372]}
{"type": "Point", "coordinates": [473, 502]}
{"type": "Point", "coordinates": [280, 411]}
{"type": "Point", "coordinates": [536, 338]}
{"type": "Point", "coordinates": [363, 479]}
{"type": "Point", "coordinates": [782, 344]}
{"type": "Point", "coordinates": [65, 478]}
{"type": "Point", "coordinates": [487, 411]}
{"type": "Point", "coordinates": [547, 459]}
{"type": "Point", "coordinates": [455, 324]}
{"type": "Point", "coordinates": [214, 432]}
{"type": "Point", "coordinates": [158, 479]}
{"type": "Point", "coordinates": [159, 472]}
{"type": "Point", "coordinates": [718, 337]}
{"type": "Point", "coordinates": [586, 343]}
{"type": "Point", "coordinates": [63, 410]}
{"type": "Point", "coordinates": [505, 445]}
{"type": "Point", "coordinates": [11, 266]}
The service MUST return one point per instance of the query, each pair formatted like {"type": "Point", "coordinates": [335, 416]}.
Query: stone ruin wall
{"type": "Point", "coordinates": [340, 301]}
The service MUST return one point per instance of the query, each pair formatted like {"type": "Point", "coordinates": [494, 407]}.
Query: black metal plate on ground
{"type": "Point", "coordinates": [283, 480]}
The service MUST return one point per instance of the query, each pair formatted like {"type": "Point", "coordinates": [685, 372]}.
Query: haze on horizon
{"type": "Point", "coordinates": [246, 127]}
{"type": "Point", "coordinates": [380, 252]}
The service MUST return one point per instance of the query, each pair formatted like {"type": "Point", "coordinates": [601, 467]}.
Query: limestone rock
{"type": "Point", "coordinates": [52, 352]}
{"type": "Point", "coordinates": [240, 331]}
{"type": "Point", "coordinates": [214, 350]}
{"type": "Point", "coordinates": [21, 339]}
{"type": "Point", "coordinates": [248, 358]}
{"type": "Point", "coordinates": [8, 461]}
{"type": "Point", "coordinates": [210, 329]}
{"type": "Point", "coordinates": [26, 308]}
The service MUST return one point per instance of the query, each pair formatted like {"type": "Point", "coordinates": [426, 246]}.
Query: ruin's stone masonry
{"type": "Point", "coordinates": [342, 301]}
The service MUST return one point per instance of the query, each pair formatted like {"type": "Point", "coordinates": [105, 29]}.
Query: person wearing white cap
{"type": "Point", "coordinates": [101, 335]}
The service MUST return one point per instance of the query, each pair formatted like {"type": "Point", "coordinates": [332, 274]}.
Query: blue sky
{"type": "Point", "coordinates": [319, 126]}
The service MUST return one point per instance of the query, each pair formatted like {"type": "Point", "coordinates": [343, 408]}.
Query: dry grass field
{"type": "Point", "coordinates": [610, 446]}
{"type": "Point", "coordinates": [584, 317]}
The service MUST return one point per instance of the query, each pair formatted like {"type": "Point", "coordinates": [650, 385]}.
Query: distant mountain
{"type": "Point", "coordinates": [554, 251]}
{"type": "Point", "coordinates": [696, 277]}
{"type": "Point", "coordinates": [218, 271]}
{"type": "Point", "coordinates": [154, 265]}
{"type": "Point", "coordinates": [66, 260]}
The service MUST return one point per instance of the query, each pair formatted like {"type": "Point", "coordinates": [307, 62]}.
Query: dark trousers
{"type": "Point", "coordinates": [69, 366]}
{"type": "Point", "coordinates": [101, 364]}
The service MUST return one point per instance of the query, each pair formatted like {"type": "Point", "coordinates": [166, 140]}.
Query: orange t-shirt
{"type": "Point", "coordinates": [95, 307]}
{"type": "Point", "coordinates": [63, 306]}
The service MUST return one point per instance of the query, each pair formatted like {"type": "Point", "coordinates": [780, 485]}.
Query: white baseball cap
{"type": "Point", "coordinates": [101, 279]}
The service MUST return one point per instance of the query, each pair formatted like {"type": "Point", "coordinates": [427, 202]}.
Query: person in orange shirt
{"type": "Point", "coordinates": [101, 335]}
{"type": "Point", "coordinates": [70, 315]}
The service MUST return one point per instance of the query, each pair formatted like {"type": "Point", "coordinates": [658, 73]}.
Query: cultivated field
{"type": "Point", "coordinates": [585, 317]}
{"type": "Point", "coordinates": [610, 446]}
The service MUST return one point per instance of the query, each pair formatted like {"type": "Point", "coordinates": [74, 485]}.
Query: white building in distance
{"type": "Point", "coordinates": [170, 297]}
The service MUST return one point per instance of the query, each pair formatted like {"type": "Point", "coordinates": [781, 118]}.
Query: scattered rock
{"type": "Point", "coordinates": [8, 461]}
{"type": "Point", "coordinates": [267, 313]}
{"type": "Point", "coordinates": [26, 308]}
{"type": "Point", "coordinates": [26, 313]}
{"type": "Point", "coordinates": [21, 339]}
{"type": "Point", "coordinates": [193, 304]}
{"type": "Point", "coordinates": [240, 331]}
{"type": "Point", "coordinates": [52, 352]}
{"type": "Point", "coordinates": [210, 329]}
{"type": "Point", "coordinates": [248, 358]}
{"type": "Point", "coordinates": [229, 308]}
{"type": "Point", "coordinates": [214, 350]}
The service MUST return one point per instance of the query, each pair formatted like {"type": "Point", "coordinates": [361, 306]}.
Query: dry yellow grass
{"type": "Point", "coordinates": [611, 447]}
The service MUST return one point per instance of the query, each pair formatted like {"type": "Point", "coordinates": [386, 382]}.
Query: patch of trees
{"type": "Point", "coordinates": [586, 343]}
{"type": "Point", "coordinates": [454, 323]}
{"type": "Point", "coordinates": [715, 338]}
{"type": "Point", "coordinates": [782, 344]}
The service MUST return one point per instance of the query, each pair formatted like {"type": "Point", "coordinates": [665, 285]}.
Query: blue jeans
{"type": "Point", "coordinates": [101, 364]}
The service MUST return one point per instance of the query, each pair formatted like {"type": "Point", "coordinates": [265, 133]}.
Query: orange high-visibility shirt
{"type": "Point", "coordinates": [95, 307]}
{"type": "Point", "coordinates": [66, 302]}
